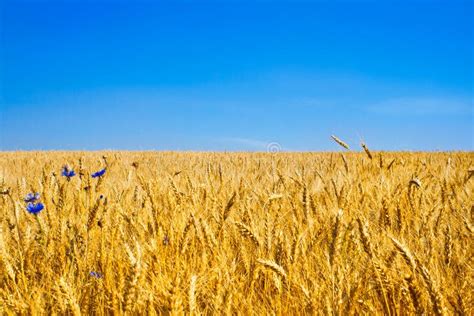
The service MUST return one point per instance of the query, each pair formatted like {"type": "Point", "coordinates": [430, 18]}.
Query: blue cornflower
{"type": "Point", "coordinates": [97, 275]}
{"type": "Point", "coordinates": [68, 173]}
{"type": "Point", "coordinates": [32, 197]}
{"type": "Point", "coordinates": [99, 173]}
{"type": "Point", "coordinates": [34, 208]}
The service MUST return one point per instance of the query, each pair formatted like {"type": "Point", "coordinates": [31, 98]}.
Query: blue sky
{"type": "Point", "coordinates": [236, 75]}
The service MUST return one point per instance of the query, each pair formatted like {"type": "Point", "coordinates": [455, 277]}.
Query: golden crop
{"type": "Point", "coordinates": [238, 233]}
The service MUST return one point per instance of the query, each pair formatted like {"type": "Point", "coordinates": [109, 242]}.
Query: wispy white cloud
{"type": "Point", "coordinates": [247, 143]}
{"type": "Point", "coordinates": [423, 106]}
{"type": "Point", "coordinates": [250, 144]}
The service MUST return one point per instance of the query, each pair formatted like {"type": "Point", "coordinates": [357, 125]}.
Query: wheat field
{"type": "Point", "coordinates": [343, 233]}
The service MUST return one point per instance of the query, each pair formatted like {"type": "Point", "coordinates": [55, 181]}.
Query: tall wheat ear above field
{"type": "Point", "coordinates": [344, 233]}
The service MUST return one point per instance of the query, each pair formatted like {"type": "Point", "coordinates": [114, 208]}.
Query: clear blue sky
{"type": "Point", "coordinates": [236, 75]}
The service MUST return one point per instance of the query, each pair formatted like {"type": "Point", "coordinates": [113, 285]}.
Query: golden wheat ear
{"type": "Point", "coordinates": [340, 142]}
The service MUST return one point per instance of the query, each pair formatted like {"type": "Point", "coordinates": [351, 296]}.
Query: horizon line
{"type": "Point", "coordinates": [232, 151]}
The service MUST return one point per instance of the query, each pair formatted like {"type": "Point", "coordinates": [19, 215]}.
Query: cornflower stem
{"type": "Point", "coordinates": [39, 224]}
